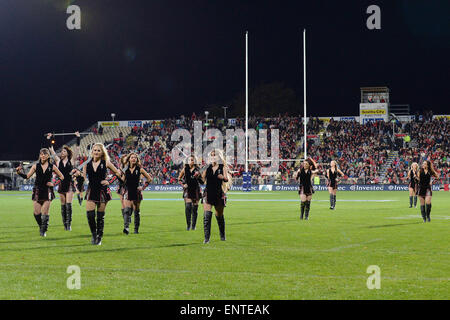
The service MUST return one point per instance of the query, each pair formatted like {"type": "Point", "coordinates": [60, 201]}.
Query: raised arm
{"type": "Point", "coordinates": [76, 151]}
{"type": "Point", "coordinates": [315, 166]}
{"type": "Point", "coordinates": [29, 174]}
{"type": "Point", "coordinates": [52, 150]}
{"type": "Point", "coordinates": [296, 173]}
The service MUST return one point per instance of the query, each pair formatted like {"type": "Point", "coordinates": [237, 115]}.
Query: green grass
{"type": "Point", "coordinates": [269, 252]}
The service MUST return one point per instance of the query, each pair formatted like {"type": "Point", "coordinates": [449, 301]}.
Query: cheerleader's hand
{"type": "Point", "coordinates": [19, 168]}
{"type": "Point", "coordinates": [197, 174]}
{"type": "Point", "coordinates": [185, 186]}
{"type": "Point", "coordinates": [104, 182]}
{"type": "Point", "coordinates": [49, 184]}
{"type": "Point", "coordinates": [49, 135]}
{"type": "Point", "coordinates": [77, 134]}
{"type": "Point", "coordinates": [220, 176]}
{"type": "Point", "coordinates": [140, 188]}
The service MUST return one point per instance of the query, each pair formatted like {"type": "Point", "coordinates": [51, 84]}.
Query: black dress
{"type": "Point", "coordinates": [42, 192]}
{"type": "Point", "coordinates": [96, 191]}
{"type": "Point", "coordinates": [67, 184]}
{"type": "Point", "coordinates": [213, 193]}
{"type": "Point", "coordinates": [131, 185]}
{"type": "Point", "coordinates": [79, 182]}
{"type": "Point", "coordinates": [412, 181]}
{"type": "Point", "coordinates": [305, 186]}
{"type": "Point", "coordinates": [193, 190]}
{"type": "Point", "coordinates": [425, 184]}
{"type": "Point", "coordinates": [332, 178]}
{"type": "Point", "coordinates": [121, 189]}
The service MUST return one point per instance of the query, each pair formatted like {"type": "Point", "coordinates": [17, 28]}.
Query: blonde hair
{"type": "Point", "coordinates": [414, 166]}
{"type": "Point", "coordinates": [225, 185]}
{"type": "Point", "coordinates": [105, 155]}
{"type": "Point", "coordinates": [45, 151]}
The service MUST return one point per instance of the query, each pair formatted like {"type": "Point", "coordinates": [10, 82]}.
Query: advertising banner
{"type": "Point", "coordinates": [373, 112]}
{"type": "Point", "coordinates": [273, 187]}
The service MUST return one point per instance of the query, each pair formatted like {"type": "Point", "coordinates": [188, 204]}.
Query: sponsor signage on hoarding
{"type": "Point", "coordinates": [109, 124]}
{"type": "Point", "coordinates": [133, 124]}
{"type": "Point", "coordinates": [275, 187]}
{"type": "Point", "coordinates": [373, 112]}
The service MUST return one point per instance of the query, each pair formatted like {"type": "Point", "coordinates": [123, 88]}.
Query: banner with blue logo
{"type": "Point", "coordinates": [272, 187]}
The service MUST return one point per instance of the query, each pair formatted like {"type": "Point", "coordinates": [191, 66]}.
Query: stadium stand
{"type": "Point", "coordinates": [367, 153]}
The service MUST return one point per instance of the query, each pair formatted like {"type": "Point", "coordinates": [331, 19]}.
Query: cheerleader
{"type": "Point", "coordinates": [332, 176]}
{"type": "Point", "coordinates": [218, 182]}
{"type": "Point", "coordinates": [413, 186]}
{"type": "Point", "coordinates": [132, 195]}
{"type": "Point", "coordinates": [305, 174]}
{"type": "Point", "coordinates": [190, 179]}
{"type": "Point", "coordinates": [98, 193]}
{"type": "Point", "coordinates": [43, 188]}
{"type": "Point", "coordinates": [65, 163]}
{"type": "Point", "coordinates": [78, 182]}
{"type": "Point", "coordinates": [121, 190]}
{"type": "Point", "coordinates": [425, 193]}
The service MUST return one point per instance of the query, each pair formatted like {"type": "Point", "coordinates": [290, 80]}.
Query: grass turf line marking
{"type": "Point", "coordinates": [350, 245]}
{"type": "Point", "coordinates": [264, 274]}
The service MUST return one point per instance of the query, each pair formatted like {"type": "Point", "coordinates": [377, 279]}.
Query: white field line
{"type": "Point", "coordinates": [243, 273]}
{"type": "Point", "coordinates": [416, 216]}
{"type": "Point", "coordinates": [269, 200]}
{"type": "Point", "coordinates": [351, 245]}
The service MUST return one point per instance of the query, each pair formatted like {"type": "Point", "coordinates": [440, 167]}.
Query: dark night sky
{"type": "Point", "coordinates": [162, 58]}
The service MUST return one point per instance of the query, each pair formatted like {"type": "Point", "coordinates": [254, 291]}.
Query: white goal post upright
{"type": "Point", "coordinates": [304, 92]}
{"type": "Point", "coordinates": [246, 101]}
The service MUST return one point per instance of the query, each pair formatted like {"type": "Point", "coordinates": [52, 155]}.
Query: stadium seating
{"type": "Point", "coordinates": [367, 154]}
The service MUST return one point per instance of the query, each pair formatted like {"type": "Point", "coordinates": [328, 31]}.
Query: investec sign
{"type": "Point", "coordinates": [275, 187]}
{"type": "Point", "coordinates": [373, 112]}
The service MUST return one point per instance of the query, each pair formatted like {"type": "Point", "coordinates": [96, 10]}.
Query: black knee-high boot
{"type": "Point", "coordinates": [221, 223]}
{"type": "Point", "coordinates": [415, 201]}
{"type": "Point", "coordinates": [188, 213]}
{"type": "Point", "coordinates": [80, 199]}
{"type": "Point", "coordinates": [68, 216]}
{"type": "Point", "coordinates": [137, 220]}
{"type": "Point", "coordinates": [302, 210]}
{"type": "Point", "coordinates": [207, 225]}
{"type": "Point", "coordinates": [44, 225]}
{"type": "Point", "coordinates": [194, 216]}
{"type": "Point", "coordinates": [423, 212]}
{"type": "Point", "coordinates": [127, 212]}
{"type": "Point", "coordinates": [334, 201]}
{"type": "Point", "coordinates": [100, 226]}
{"type": "Point", "coordinates": [428, 211]}
{"type": "Point", "coordinates": [64, 215]}
{"type": "Point", "coordinates": [410, 201]}
{"type": "Point", "coordinates": [307, 207]}
{"type": "Point", "coordinates": [92, 225]}
{"type": "Point", "coordinates": [331, 201]}
{"type": "Point", "coordinates": [38, 218]}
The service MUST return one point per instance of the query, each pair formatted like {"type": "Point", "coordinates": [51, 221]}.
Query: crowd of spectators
{"type": "Point", "coordinates": [360, 150]}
